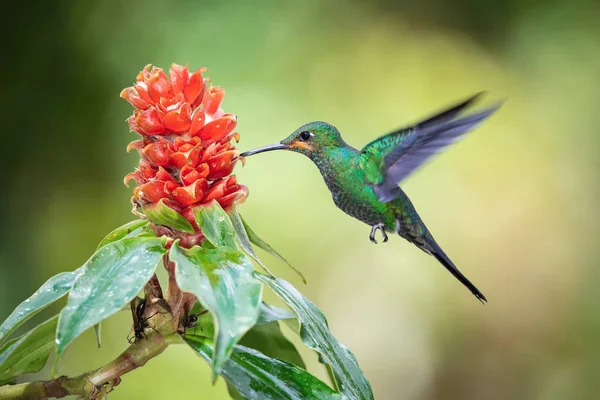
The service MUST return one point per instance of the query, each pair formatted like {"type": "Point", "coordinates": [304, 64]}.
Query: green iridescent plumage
{"type": "Point", "coordinates": [364, 184]}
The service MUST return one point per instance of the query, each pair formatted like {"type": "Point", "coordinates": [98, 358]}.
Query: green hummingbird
{"type": "Point", "coordinates": [364, 183]}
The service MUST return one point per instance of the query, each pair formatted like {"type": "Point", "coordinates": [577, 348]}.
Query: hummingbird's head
{"type": "Point", "coordinates": [310, 139]}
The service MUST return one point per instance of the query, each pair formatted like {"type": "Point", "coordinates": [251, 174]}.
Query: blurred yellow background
{"type": "Point", "coordinates": [515, 205]}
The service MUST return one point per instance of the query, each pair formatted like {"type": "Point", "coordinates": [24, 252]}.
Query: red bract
{"type": "Point", "coordinates": [186, 153]}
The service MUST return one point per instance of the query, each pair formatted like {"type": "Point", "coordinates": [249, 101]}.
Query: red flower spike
{"type": "Point", "coordinates": [186, 150]}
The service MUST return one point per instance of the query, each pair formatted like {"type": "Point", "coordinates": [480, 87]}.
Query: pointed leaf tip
{"type": "Point", "coordinates": [255, 239]}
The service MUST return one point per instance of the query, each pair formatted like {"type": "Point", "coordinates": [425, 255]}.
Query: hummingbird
{"type": "Point", "coordinates": [365, 183]}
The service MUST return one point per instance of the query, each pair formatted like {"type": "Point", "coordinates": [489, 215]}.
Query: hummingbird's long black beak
{"type": "Point", "coordinates": [271, 147]}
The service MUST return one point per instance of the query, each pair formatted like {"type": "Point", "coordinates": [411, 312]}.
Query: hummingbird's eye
{"type": "Point", "coordinates": [306, 135]}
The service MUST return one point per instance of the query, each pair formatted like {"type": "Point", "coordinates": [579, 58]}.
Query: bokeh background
{"type": "Point", "coordinates": [515, 205]}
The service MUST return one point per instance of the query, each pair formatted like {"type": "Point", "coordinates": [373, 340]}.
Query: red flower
{"type": "Point", "coordinates": [186, 153]}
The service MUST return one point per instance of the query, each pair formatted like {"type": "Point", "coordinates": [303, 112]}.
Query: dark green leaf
{"type": "Point", "coordinates": [215, 224]}
{"type": "Point", "coordinates": [111, 278]}
{"type": "Point", "coordinates": [254, 238]}
{"type": "Point", "coordinates": [258, 377]}
{"type": "Point", "coordinates": [316, 335]}
{"type": "Point", "coordinates": [224, 283]}
{"type": "Point", "coordinates": [54, 288]}
{"type": "Point", "coordinates": [28, 353]}
{"type": "Point", "coordinates": [270, 313]}
{"type": "Point", "coordinates": [130, 229]}
{"type": "Point", "coordinates": [242, 237]}
{"type": "Point", "coordinates": [162, 214]}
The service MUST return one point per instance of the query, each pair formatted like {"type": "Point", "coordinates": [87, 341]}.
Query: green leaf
{"type": "Point", "coordinates": [215, 224]}
{"type": "Point", "coordinates": [242, 237]}
{"type": "Point", "coordinates": [28, 353]}
{"type": "Point", "coordinates": [130, 229]}
{"type": "Point", "coordinates": [257, 377]}
{"type": "Point", "coordinates": [162, 214]}
{"type": "Point", "coordinates": [270, 313]}
{"type": "Point", "coordinates": [54, 288]}
{"type": "Point", "coordinates": [111, 278]}
{"type": "Point", "coordinates": [316, 335]}
{"type": "Point", "coordinates": [224, 283]}
{"type": "Point", "coordinates": [254, 238]}
{"type": "Point", "coordinates": [269, 340]}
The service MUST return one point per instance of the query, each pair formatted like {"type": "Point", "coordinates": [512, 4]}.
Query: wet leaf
{"type": "Point", "coordinates": [224, 283]}
{"type": "Point", "coordinates": [215, 224]}
{"type": "Point", "coordinates": [111, 278]}
{"type": "Point", "coordinates": [130, 229]}
{"type": "Point", "coordinates": [254, 238]}
{"type": "Point", "coordinates": [161, 214]}
{"type": "Point", "coordinates": [315, 333]}
{"type": "Point", "coordinates": [28, 353]}
{"type": "Point", "coordinates": [257, 377]}
{"type": "Point", "coordinates": [52, 290]}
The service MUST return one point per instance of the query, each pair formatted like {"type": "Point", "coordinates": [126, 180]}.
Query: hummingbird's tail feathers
{"type": "Point", "coordinates": [425, 140]}
{"type": "Point", "coordinates": [439, 254]}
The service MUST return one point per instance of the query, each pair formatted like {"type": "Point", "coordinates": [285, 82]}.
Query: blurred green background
{"type": "Point", "coordinates": [515, 204]}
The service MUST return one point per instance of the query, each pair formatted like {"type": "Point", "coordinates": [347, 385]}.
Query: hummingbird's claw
{"type": "Point", "coordinates": [374, 230]}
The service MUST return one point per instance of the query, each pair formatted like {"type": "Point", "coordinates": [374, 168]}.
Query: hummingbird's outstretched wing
{"type": "Point", "coordinates": [391, 158]}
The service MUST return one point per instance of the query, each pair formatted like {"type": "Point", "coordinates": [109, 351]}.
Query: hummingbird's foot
{"type": "Point", "coordinates": [374, 230]}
